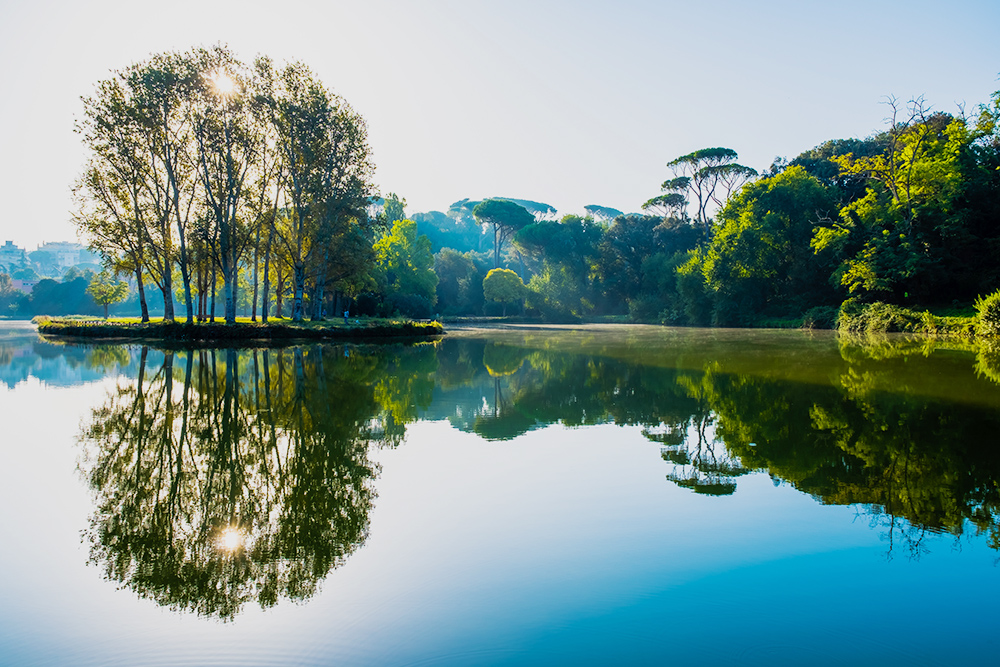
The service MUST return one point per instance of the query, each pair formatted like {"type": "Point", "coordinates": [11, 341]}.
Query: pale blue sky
{"type": "Point", "coordinates": [570, 103]}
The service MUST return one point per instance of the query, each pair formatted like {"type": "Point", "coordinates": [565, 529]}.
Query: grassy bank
{"type": "Point", "coordinates": [242, 330]}
{"type": "Point", "coordinates": [855, 317]}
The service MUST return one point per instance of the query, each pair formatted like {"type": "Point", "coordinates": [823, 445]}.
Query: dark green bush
{"type": "Point", "coordinates": [820, 317]}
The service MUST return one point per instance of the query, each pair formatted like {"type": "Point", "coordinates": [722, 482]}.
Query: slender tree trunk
{"type": "Point", "coordinates": [299, 289]}
{"type": "Point", "coordinates": [142, 293]}
{"type": "Point", "coordinates": [204, 293]}
{"type": "Point", "coordinates": [231, 294]}
{"type": "Point", "coordinates": [211, 316]}
{"type": "Point", "coordinates": [318, 293]}
{"type": "Point", "coordinates": [256, 266]}
{"type": "Point", "coordinates": [228, 269]}
{"type": "Point", "coordinates": [185, 272]}
{"type": "Point", "coordinates": [264, 305]}
{"type": "Point", "coordinates": [279, 295]}
{"type": "Point", "coordinates": [496, 247]}
{"type": "Point", "coordinates": [167, 284]}
{"type": "Point", "coordinates": [168, 300]}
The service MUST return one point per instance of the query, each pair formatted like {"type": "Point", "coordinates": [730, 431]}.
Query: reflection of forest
{"type": "Point", "coordinates": [226, 476]}
{"type": "Point", "coordinates": [905, 428]}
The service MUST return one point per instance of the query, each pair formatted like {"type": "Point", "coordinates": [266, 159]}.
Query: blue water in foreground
{"type": "Point", "coordinates": [502, 527]}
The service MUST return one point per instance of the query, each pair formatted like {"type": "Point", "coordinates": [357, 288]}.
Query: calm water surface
{"type": "Point", "coordinates": [549, 495]}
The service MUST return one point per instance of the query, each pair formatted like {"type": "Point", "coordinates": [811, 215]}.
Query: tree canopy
{"type": "Point", "coordinates": [203, 165]}
{"type": "Point", "coordinates": [505, 218]}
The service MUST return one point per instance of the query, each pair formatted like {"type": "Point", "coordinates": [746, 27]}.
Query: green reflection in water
{"type": "Point", "coordinates": [224, 476]}
{"type": "Point", "coordinates": [276, 444]}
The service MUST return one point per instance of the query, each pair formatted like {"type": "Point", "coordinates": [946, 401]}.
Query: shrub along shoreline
{"type": "Point", "coordinates": [857, 317]}
{"type": "Point", "coordinates": [357, 329]}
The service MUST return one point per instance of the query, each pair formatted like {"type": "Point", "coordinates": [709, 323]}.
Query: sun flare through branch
{"type": "Point", "coordinates": [223, 83]}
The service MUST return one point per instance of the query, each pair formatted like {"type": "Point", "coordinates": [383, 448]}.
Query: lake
{"type": "Point", "coordinates": [519, 495]}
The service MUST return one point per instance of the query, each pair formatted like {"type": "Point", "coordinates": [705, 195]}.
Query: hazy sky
{"type": "Point", "coordinates": [570, 103]}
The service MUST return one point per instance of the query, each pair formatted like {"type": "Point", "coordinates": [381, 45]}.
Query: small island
{"type": "Point", "coordinates": [367, 329]}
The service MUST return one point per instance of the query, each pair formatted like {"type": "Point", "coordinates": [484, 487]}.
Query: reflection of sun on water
{"type": "Point", "coordinates": [231, 539]}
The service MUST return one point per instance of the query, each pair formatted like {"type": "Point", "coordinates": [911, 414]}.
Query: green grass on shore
{"type": "Point", "coordinates": [243, 329]}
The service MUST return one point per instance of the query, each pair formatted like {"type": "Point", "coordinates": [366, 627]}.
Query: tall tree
{"type": "Point", "coordinates": [124, 203]}
{"type": "Point", "coordinates": [228, 141]}
{"type": "Point", "coordinates": [712, 175]}
{"type": "Point", "coordinates": [163, 88]}
{"type": "Point", "coordinates": [505, 217]}
{"type": "Point", "coordinates": [326, 159]}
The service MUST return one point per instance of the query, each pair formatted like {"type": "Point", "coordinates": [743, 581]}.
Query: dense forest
{"type": "Point", "coordinates": [909, 216]}
{"type": "Point", "coordinates": [212, 180]}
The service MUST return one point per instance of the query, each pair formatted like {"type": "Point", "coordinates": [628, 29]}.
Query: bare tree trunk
{"type": "Point", "coordinates": [211, 317]}
{"type": "Point", "coordinates": [234, 277]}
{"type": "Point", "coordinates": [204, 294]}
{"type": "Point", "coordinates": [256, 266]}
{"type": "Point", "coordinates": [185, 272]}
{"type": "Point", "coordinates": [142, 294]}
{"type": "Point", "coordinates": [280, 294]}
{"type": "Point", "coordinates": [264, 306]}
{"type": "Point", "coordinates": [318, 292]}
{"type": "Point", "coordinates": [299, 291]}
{"type": "Point", "coordinates": [168, 299]}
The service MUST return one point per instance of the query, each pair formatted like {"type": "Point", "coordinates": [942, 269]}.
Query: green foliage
{"type": "Point", "coordinates": [105, 290]}
{"type": "Point", "coordinates": [53, 298]}
{"type": "Point", "coordinates": [27, 273]}
{"type": "Point", "coordinates": [905, 236]}
{"type": "Point", "coordinates": [694, 297]}
{"type": "Point", "coordinates": [184, 153]}
{"type": "Point", "coordinates": [557, 294]}
{"type": "Point", "coordinates": [988, 360]}
{"type": "Point", "coordinates": [602, 213]}
{"type": "Point", "coordinates": [504, 286]}
{"type": "Point", "coordinates": [405, 269]}
{"type": "Point", "coordinates": [393, 210]}
{"type": "Point", "coordinates": [461, 234]}
{"type": "Point", "coordinates": [707, 176]}
{"type": "Point", "coordinates": [460, 282]}
{"type": "Point", "coordinates": [760, 256]}
{"type": "Point", "coordinates": [563, 286]}
{"type": "Point", "coordinates": [819, 162]}
{"type": "Point", "coordinates": [988, 315]}
{"type": "Point", "coordinates": [537, 209]}
{"type": "Point", "coordinates": [505, 218]}
{"type": "Point", "coordinates": [623, 269]}
{"type": "Point", "coordinates": [878, 317]}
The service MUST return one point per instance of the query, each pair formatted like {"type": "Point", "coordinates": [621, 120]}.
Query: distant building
{"type": "Point", "coordinates": [24, 285]}
{"type": "Point", "coordinates": [65, 255]}
{"type": "Point", "coordinates": [11, 257]}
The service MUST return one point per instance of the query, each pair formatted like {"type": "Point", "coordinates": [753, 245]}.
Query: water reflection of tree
{"type": "Point", "coordinates": [500, 419]}
{"type": "Point", "coordinates": [914, 464]}
{"type": "Point", "coordinates": [873, 438]}
{"type": "Point", "coordinates": [276, 444]}
{"type": "Point", "coordinates": [225, 476]}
